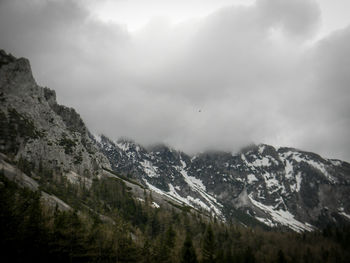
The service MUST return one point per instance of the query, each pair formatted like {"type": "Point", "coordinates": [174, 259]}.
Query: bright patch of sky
{"type": "Point", "coordinates": [135, 14]}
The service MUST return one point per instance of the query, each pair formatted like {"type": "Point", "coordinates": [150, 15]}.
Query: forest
{"type": "Point", "coordinates": [106, 224]}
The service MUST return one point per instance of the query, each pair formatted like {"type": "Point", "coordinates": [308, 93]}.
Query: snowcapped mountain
{"type": "Point", "coordinates": [282, 187]}
{"type": "Point", "coordinates": [262, 185]}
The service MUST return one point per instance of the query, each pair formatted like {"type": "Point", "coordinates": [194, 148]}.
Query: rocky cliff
{"type": "Point", "coordinates": [34, 127]}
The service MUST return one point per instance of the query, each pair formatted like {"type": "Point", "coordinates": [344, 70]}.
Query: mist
{"type": "Point", "coordinates": [256, 73]}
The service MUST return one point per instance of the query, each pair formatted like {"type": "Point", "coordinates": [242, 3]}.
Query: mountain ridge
{"type": "Point", "coordinates": [290, 183]}
{"type": "Point", "coordinates": [276, 187]}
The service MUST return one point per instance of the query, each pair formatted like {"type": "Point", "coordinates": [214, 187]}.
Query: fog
{"type": "Point", "coordinates": [257, 73]}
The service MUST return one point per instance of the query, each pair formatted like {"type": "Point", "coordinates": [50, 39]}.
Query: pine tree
{"type": "Point", "coordinates": [127, 250]}
{"type": "Point", "coordinates": [69, 237]}
{"type": "Point", "coordinates": [249, 256]}
{"type": "Point", "coordinates": [208, 247]}
{"type": "Point", "coordinates": [188, 254]}
{"type": "Point", "coordinates": [165, 248]}
{"type": "Point", "coordinates": [146, 252]}
{"type": "Point", "coordinates": [280, 257]}
{"type": "Point", "coordinates": [33, 231]}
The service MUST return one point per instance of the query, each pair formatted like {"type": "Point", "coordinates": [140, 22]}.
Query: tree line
{"type": "Point", "coordinates": [134, 231]}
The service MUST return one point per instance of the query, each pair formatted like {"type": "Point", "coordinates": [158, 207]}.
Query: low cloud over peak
{"type": "Point", "coordinates": [242, 74]}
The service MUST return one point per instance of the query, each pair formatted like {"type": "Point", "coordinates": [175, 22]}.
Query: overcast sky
{"type": "Point", "coordinates": [194, 74]}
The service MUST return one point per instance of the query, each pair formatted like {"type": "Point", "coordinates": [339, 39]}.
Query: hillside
{"type": "Point", "coordinates": [282, 187]}
{"type": "Point", "coordinates": [69, 196]}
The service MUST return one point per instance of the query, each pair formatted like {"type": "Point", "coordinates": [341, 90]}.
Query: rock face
{"type": "Point", "coordinates": [36, 128]}
{"type": "Point", "coordinates": [282, 187]}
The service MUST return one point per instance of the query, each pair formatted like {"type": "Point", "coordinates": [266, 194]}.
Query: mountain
{"type": "Point", "coordinates": [282, 187]}
{"type": "Point", "coordinates": [37, 129]}
{"type": "Point", "coordinates": [285, 188]}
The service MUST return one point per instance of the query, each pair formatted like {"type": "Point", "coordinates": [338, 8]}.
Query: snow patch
{"type": "Point", "coordinates": [289, 169]}
{"type": "Point", "coordinates": [122, 146]}
{"type": "Point", "coordinates": [296, 187]}
{"type": "Point", "coordinates": [345, 214]}
{"type": "Point", "coordinates": [173, 193]}
{"type": "Point", "coordinates": [261, 149]}
{"type": "Point", "coordinates": [193, 182]}
{"type": "Point", "coordinates": [154, 189]}
{"type": "Point", "coordinates": [321, 167]}
{"type": "Point", "coordinates": [264, 162]}
{"type": "Point", "coordinates": [271, 181]}
{"type": "Point", "coordinates": [283, 217]}
{"type": "Point", "coordinates": [149, 169]}
{"type": "Point", "coordinates": [336, 162]}
{"type": "Point", "coordinates": [251, 178]}
{"type": "Point", "coordinates": [317, 165]}
{"type": "Point", "coordinates": [266, 221]}
{"type": "Point", "coordinates": [248, 164]}
{"type": "Point", "coordinates": [298, 182]}
{"type": "Point", "coordinates": [155, 205]}
{"type": "Point", "coordinates": [97, 138]}
{"type": "Point", "coordinates": [198, 202]}
{"type": "Point", "coordinates": [197, 186]}
{"type": "Point", "coordinates": [190, 201]}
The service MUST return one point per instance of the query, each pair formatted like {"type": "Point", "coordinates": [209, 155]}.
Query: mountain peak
{"type": "Point", "coordinates": [34, 127]}
{"type": "Point", "coordinates": [282, 187]}
{"type": "Point", "coordinates": [6, 58]}
{"type": "Point", "coordinates": [15, 69]}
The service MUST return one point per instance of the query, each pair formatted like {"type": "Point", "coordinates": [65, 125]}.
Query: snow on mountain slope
{"type": "Point", "coordinates": [284, 187]}
{"type": "Point", "coordinates": [281, 217]}
{"type": "Point", "coordinates": [278, 187]}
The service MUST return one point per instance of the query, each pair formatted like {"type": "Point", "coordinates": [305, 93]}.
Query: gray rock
{"type": "Point", "coordinates": [35, 127]}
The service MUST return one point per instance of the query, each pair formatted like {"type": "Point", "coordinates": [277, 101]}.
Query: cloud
{"type": "Point", "coordinates": [242, 74]}
{"type": "Point", "coordinates": [330, 66]}
{"type": "Point", "coordinates": [297, 18]}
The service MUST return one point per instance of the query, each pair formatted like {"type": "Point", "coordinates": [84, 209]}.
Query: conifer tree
{"type": "Point", "coordinates": [127, 250]}
{"type": "Point", "coordinates": [146, 252]}
{"type": "Point", "coordinates": [249, 256]}
{"type": "Point", "coordinates": [167, 243]}
{"type": "Point", "coordinates": [280, 257]}
{"type": "Point", "coordinates": [188, 254]}
{"type": "Point", "coordinates": [208, 247]}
